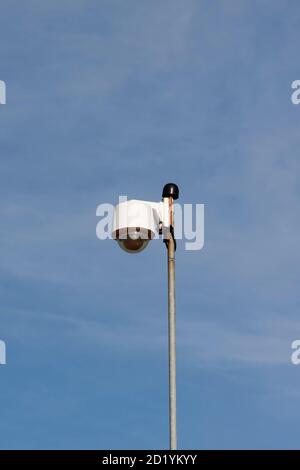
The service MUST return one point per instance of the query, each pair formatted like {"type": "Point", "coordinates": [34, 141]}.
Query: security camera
{"type": "Point", "coordinates": [134, 224]}
{"type": "Point", "coordinates": [137, 222]}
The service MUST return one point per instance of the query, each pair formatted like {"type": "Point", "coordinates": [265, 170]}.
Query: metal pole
{"type": "Point", "coordinates": [172, 337]}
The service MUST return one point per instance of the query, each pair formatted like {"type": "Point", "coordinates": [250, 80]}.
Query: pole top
{"type": "Point", "coordinates": [171, 190]}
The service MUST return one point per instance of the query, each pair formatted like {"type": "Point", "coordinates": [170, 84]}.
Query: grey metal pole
{"type": "Point", "coordinates": [172, 338]}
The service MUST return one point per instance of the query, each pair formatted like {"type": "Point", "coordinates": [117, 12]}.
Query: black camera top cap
{"type": "Point", "coordinates": [171, 190]}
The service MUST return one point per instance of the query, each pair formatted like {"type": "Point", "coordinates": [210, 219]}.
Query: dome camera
{"type": "Point", "coordinates": [134, 225]}
{"type": "Point", "coordinates": [133, 239]}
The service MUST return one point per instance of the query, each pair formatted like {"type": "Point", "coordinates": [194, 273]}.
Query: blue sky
{"type": "Point", "coordinates": [111, 97]}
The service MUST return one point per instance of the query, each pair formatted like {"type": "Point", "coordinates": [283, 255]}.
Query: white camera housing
{"type": "Point", "coordinates": [136, 222]}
